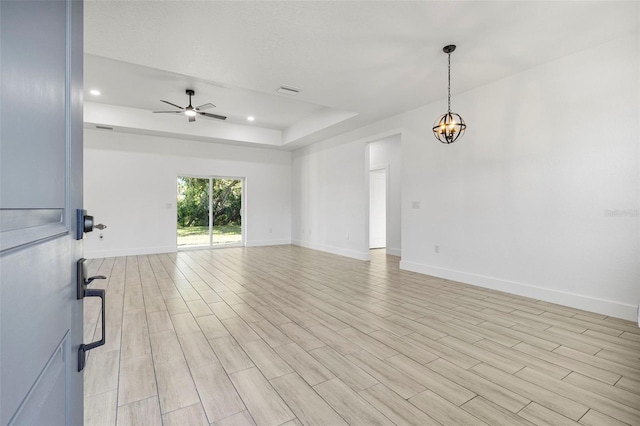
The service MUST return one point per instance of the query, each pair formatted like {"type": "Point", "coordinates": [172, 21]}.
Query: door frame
{"type": "Point", "coordinates": [394, 201]}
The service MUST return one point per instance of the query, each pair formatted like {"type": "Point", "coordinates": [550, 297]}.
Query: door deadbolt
{"type": "Point", "coordinates": [85, 223]}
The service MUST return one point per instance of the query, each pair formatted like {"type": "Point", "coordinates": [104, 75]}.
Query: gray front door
{"type": "Point", "coordinates": [40, 190]}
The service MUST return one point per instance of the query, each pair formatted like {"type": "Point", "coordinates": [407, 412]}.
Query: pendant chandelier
{"type": "Point", "coordinates": [450, 126]}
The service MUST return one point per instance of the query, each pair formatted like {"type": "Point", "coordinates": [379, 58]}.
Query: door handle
{"type": "Point", "coordinates": [82, 292]}
{"type": "Point", "coordinates": [90, 280]}
{"type": "Point", "coordinates": [82, 350]}
{"type": "Point", "coordinates": [82, 282]}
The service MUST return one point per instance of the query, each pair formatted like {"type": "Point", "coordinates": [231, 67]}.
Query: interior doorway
{"type": "Point", "coordinates": [378, 208]}
{"type": "Point", "coordinates": [384, 166]}
{"type": "Point", "coordinates": [209, 211]}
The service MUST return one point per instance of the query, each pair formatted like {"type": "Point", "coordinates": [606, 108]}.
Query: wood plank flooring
{"type": "Point", "coordinates": [287, 336]}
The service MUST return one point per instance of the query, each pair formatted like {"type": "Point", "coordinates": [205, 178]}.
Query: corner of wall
{"type": "Point", "coordinates": [334, 250]}
{"type": "Point", "coordinates": [394, 251]}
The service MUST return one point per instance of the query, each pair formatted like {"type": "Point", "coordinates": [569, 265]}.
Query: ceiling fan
{"type": "Point", "coordinates": [190, 111]}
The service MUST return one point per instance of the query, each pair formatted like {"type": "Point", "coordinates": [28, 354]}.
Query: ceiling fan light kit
{"type": "Point", "coordinates": [190, 111]}
{"type": "Point", "coordinates": [449, 127]}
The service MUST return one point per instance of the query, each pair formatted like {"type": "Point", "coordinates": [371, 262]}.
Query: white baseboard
{"type": "Point", "coordinates": [578, 301]}
{"type": "Point", "coordinates": [97, 254]}
{"type": "Point", "coordinates": [334, 250]}
{"type": "Point", "coordinates": [262, 243]}
{"type": "Point", "coordinates": [394, 251]}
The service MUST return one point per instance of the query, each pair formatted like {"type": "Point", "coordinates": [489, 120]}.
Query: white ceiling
{"type": "Point", "coordinates": [131, 85]}
{"type": "Point", "coordinates": [354, 61]}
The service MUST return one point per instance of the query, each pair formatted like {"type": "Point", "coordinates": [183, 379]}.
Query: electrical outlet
{"type": "Point", "coordinates": [415, 204]}
{"type": "Point", "coordinates": [347, 236]}
{"type": "Point", "coordinates": [270, 230]}
{"type": "Point", "coordinates": [436, 249]}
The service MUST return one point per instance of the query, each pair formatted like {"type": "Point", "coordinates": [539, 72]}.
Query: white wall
{"type": "Point", "coordinates": [387, 153]}
{"type": "Point", "coordinates": [521, 202]}
{"type": "Point", "coordinates": [330, 199]}
{"type": "Point", "coordinates": [130, 185]}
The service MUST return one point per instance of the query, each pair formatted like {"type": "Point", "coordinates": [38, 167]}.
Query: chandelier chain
{"type": "Point", "coordinates": [449, 84]}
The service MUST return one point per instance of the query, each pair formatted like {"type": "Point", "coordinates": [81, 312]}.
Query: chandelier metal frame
{"type": "Point", "coordinates": [449, 127]}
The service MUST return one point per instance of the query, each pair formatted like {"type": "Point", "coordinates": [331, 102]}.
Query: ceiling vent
{"type": "Point", "coordinates": [288, 90]}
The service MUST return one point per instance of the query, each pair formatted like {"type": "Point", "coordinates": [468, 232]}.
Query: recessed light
{"type": "Point", "coordinates": [94, 92]}
{"type": "Point", "coordinates": [251, 118]}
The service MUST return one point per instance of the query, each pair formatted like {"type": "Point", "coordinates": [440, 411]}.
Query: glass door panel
{"type": "Point", "coordinates": [193, 208]}
{"type": "Point", "coordinates": [226, 209]}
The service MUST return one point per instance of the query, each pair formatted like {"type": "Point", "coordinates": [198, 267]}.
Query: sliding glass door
{"type": "Point", "coordinates": [226, 211]}
{"type": "Point", "coordinates": [209, 211]}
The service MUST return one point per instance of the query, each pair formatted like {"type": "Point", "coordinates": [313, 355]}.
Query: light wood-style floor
{"type": "Point", "coordinates": [287, 335]}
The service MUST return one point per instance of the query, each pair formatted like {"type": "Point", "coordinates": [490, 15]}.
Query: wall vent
{"type": "Point", "coordinates": [288, 90]}
{"type": "Point", "coordinates": [104, 127]}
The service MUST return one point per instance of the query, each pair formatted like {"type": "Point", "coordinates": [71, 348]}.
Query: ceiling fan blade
{"type": "Point", "coordinates": [167, 102]}
{"type": "Point", "coordinates": [219, 117]}
{"type": "Point", "coordinates": [191, 119]}
{"type": "Point", "coordinates": [205, 106]}
{"type": "Point", "coordinates": [168, 112]}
